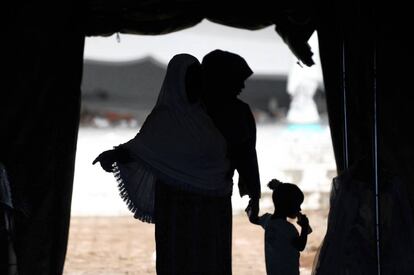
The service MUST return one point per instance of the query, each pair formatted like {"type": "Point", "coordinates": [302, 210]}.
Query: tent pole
{"type": "Point", "coordinates": [375, 152]}
{"type": "Point", "coordinates": [344, 101]}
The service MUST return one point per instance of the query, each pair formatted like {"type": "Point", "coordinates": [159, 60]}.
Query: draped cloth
{"type": "Point", "coordinates": [349, 244]}
{"type": "Point", "coordinates": [177, 143]}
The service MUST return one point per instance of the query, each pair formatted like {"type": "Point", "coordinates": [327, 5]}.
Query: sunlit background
{"type": "Point", "coordinates": [121, 79]}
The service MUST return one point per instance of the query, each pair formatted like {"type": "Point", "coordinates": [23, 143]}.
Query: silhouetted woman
{"type": "Point", "coordinates": [174, 173]}
{"type": "Point", "coordinates": [224, 75]}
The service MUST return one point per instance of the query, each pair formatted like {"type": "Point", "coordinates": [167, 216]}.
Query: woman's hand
{"type": "Point", "coordinates": [252, 211]}
{"type": "Point", "coordinates": [106, 159]}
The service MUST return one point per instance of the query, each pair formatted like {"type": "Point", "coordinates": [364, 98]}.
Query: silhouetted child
{"type": "Point", "coordinates": [283, 243]}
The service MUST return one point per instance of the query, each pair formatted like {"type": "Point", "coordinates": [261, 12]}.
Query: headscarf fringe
{"type": "Point", "coordinates": [123, 192]}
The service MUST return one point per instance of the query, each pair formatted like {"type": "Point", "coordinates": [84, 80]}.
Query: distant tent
{"type": "Point", "coordinates": [133, 86]}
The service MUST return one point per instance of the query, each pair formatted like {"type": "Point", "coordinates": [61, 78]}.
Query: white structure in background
{"type": "Point", "coordinates": [302, 85]}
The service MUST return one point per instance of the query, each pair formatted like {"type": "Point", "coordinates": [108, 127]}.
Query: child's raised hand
{"type": "Point", "coordinates": [303, 221]}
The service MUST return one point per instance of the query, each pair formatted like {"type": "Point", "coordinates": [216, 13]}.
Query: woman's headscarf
{"type": "Point", "coordinates": [177, 143]}
{"type": "Point", "coordinates": [225, 67]}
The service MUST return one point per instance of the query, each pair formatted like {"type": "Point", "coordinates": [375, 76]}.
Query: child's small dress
{"type": "Point", "coordinates": [282, 258]}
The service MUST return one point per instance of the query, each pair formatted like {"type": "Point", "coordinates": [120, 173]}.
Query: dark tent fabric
{"type": "Point", "coordinates": [8, 263]}
{"type": "Point", "coordinates": [39, 111]}
{"type": "Point", "coordinates": [349, 246]}
{"type": "Point", "coordinates": [364, 56]}
{"type": "Point", "coordinates": [158, 17]}
{"type": "Point", "coordinates": [363, 47]}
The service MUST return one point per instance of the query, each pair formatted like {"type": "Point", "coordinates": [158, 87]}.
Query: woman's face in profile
{"type": "Point", "coordinates": [193, 82]}
{"type": "Point", "coordinates": [233, 86]}
{"type": "Point", "coordinates": [238, 86]}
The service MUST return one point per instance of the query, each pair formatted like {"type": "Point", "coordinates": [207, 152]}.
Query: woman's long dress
{"type": "Point", "coordinates": [192, 232]}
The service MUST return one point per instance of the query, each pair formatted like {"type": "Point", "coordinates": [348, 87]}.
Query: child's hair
{"type": "Point", "coordinates": [286, 196]}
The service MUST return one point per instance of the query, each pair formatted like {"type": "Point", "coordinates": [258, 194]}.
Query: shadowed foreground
{"type": "Point", "coordinates": [122, 245]}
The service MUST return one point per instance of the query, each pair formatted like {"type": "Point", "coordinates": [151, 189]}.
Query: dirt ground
{"type": "Point", "coordinates": [122, 245]}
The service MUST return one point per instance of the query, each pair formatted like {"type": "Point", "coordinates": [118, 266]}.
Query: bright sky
{"type": "Point", "coordinates": [263, 49]}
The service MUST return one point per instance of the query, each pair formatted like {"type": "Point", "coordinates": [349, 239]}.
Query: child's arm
{"type": "Point", "coordinates": [255, 218]}
{"type": "Point", "coordinates": [301, 241]}
{"type": "Point", "coordinates": [262, 220]}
